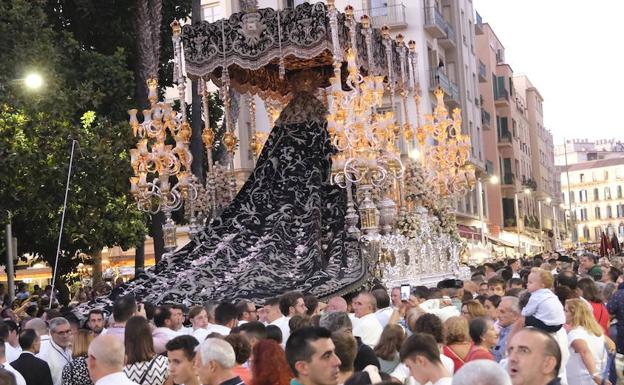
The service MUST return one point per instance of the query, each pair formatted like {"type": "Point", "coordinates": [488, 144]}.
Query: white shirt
{"type": "Point", "coordinates": [444, 381]}
{"type": "Point", "coordinates": [115, 379]}
{"type": "Point", "coordinates": [200, 334]}
{"type": "Point", "coordinates": [10, 353]}
{"type": "Point", "coordinates": [223, 330]}
{"type": "Point", "coordinates": [368, 329]}
{"type": "Point", "coordinates": [282, 323]}
{"type": "Point", "coordinates": [545, 306]}
{"type": "Point", "coordinates": [576, 370]}
{"type": "Point", "coordinates": [562, 340]}
{"type": "Point", "coordinates": [402, 373]}
{"type": "Point", "coordinates": [56, 357]}
{"type": "Point", "coordinates": [19, 379]}
{"type": "Point", "coordinates": [383, 316]}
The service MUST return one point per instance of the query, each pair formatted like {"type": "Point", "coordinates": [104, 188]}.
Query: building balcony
{"type": "Point", "coordinates": [450, 40]}
{"type": "Point", "coordinates": [505, 139]}
{"type": "Point", "coordinates": [392, 16]}
{"type": "Point", "coordinates": [478, 24]}
{"type": "Point", "coordinates": [508, 179]}
{"type": "Point", "coordinates": [501, 98]}
{"type": "Point", "coordinates": [438, 27]}
{"type": "Point", "coordinates": [485, 119]}
{"type": "Point", "coordinates": [482, 72]}
{"type": "Point", "coordinates": [451, 91]}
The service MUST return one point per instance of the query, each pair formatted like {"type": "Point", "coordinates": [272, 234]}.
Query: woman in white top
{"type": "Point", "coordinates": [586, 343]}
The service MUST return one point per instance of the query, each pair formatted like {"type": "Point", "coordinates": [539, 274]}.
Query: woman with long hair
{"type": "Point", "coordinates": [484, 337]}
{"type": "Point", "coordinates": [76, 372]}
{"type": "Point", "coordinates": [592, 295]}
{"type": "Point", "coordinates": [587, 346]}
{"type": "Point", "coordinates": [269, 365]}
{"type": "Point", "coordinates": [458, 343]}
{"type": "Point", "coordinates": [388, 347]}
{"type": "Point", "coordinates": [472, 309]}
{"type": "Point", "coordinates": [143, 365]}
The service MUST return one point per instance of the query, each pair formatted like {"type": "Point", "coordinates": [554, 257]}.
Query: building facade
{"type": "Point", "coordinates": [523, 206]}
{"type": "Point", "coordinates": [582, 150]}
{"type": "Point", "coordinates": [593, 194]}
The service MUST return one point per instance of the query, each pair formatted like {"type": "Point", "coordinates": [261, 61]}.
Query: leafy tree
{"type": "Point", "coordinates": [84, 98]}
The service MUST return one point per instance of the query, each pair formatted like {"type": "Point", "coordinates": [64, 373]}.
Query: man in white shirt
{"type": "Point", "coordinates": [246, 311]}
{"type": "Point", "coordinates": [8, 332]}
{"type": "Point", "coordinates": [199, 322]}
{"type": "Point", "coordinates": [366, 325]}
{"type": "Point", "coordinates": [19, 379]}
{"type": "Point", "coordinates": [515, 266]}
{"type": "Point", "coordinates": [106, 361]}
{"type": "Point", "coordinates": [395, 297]}
{"type": "Point", "coordinates": [421, 355]}
{"type": "Point", "coordinates": [384, 311]}
{"type": "Point", "coordinates": [56, 351]}
{"type": "Point", "coordinates": [177, 318]}
{"type": "Point", "coordinates": [225, 319]}
{"type": "Point", "coordinates": [164, 320]}
{"type": "Point", "coordinates": [275, 317]}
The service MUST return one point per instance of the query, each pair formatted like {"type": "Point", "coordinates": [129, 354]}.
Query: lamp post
{"type": "Point", "coordinates": [493, 179]}
{"type": "Point", "coordinates": [516, 208]}
{"type": "Point", "coordinates": [539, 213]}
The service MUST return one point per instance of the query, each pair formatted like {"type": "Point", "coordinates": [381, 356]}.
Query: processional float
{"type": "Point", "coordinates": [358, 208]}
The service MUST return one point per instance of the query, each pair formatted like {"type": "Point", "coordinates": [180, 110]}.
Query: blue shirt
{"type": "Point", "coordinates": [499, 349]}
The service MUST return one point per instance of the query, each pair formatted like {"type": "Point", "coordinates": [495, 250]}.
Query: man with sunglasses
{"type": "Point", "coordinates": [57, 351]}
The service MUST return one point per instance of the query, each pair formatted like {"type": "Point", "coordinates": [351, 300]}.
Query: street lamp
{"type": "Point", "coordinates": [526, 191]}
{"type": "Point", "coordinates": [493, 179]}
{"type": "Point", "coordinates": [33, 81]}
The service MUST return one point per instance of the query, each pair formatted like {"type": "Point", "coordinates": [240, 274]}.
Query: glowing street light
{"type": "Point", "coordinates": [33, 81]}
{"type": "Point", "coordinates": [494, 179]}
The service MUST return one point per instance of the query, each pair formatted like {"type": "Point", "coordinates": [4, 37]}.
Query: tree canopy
{"type": "Point", "coordinates": [85, 50]}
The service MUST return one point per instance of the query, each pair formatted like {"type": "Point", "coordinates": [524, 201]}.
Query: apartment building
{"type": "Point", "coordinates": [593, 194]}
{"type": "Point", "coordinates": [582, 150]}
{"type": "Point", "coordinates": [523, 206]}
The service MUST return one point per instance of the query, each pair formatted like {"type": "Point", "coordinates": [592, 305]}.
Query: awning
{"type": "Point", "coordinates": [500, 242]}
{"type": "Point", "coordinates": [469, 232]}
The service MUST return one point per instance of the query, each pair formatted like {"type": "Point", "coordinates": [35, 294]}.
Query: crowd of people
{"type": "Point", "coordinates": [544, 320]}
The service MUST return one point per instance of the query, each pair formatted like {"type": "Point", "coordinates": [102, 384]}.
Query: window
{"type": "Point", "coordinates": [571, 194]}
{"type": "Point", "coordinates": [583, 196]}
{"type": "Point", "coordinates": [596, 195]}
{"type": "Point", "coordinates": [620, 210]}
{"type": "Point", "coordinates": [619, 191]}
{"type": "Point", "coordinates": [597, 232]}
{"type": "Point", "coordinates": [597, 213]}
{"type": "Point", "coordinates": [582, 178]}
{"type": "Point", "coordinates": [621, 229]}
{"type": "Point", "coordinates": [212, 12]}
{"type": "Point", "coordinates": [609, 212]}
{"type": "Point", "coordinates": [586, 233]}
{"type": "Point", "coordinates": [583, 214]}
{"type": "Point", "coordinates": [607, 193]}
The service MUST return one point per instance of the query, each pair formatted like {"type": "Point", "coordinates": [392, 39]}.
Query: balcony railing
{"type": "Point", "coordinates": [433, 18]}
{"type": "Point", "coordinates": [438, 79]}
{"type": "Point", "coordinates": [485, 117]}
{"type": "Point", "coordinates": [508, 178]}
{"type": "Point", "coordinates": [391, 15]}
{"type": "Point", "coordinates": [502, 95]}
{"type": "Point", "coordinates": [482, 72]}
{"type": "Point", "coordinates": [505, 137]}
{"type": "Point", "coordinates": [478, 23]}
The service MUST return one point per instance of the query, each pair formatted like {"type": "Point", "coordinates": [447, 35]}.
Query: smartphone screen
{"type": "Point", "coordinates": [405, 292]}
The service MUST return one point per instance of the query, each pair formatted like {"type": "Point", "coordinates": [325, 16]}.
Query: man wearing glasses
{"type": "Point", "coordinates": [57, 351]}
{"type": "Point", "coordinates": [246, 311]}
